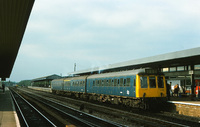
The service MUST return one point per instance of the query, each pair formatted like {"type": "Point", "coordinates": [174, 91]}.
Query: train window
{"type": "Point", "coordinates": [112, 82]}
{"type": "Point", "coordinates": [152, 82]}
{"type": "Point", "coordinates": [93, 83]}
{"type": "Point", "coordinates": [105, 83]}
{"type": "Point", "coordinates": [128, 82]}
{"type": "Point", "coordinates": [83, 82]}
{"type": "Point", "coordinates": [96, 82]}
{"type": "Point", "coordinates": [102, 82]}
{"type": "Point", "coordinates": [124, 82]}
{"type": "Point", "coordinates": [121, 81]}
{"type": "Point", "coordinates": [160, 82]}
{"type": "Point", "coordinates": [134, 83]}
{"type": "Point", "coordinates": [109, 82]}
{"type": "Point", "coordinates": [115, 82]}
{"type": "Point", "coordinates": [143, 81]}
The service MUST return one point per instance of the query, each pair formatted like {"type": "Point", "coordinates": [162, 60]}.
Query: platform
{"type": "Point", "coordinates": [185, 106]}
{"type": "Point", "coordinates": [8, 115]}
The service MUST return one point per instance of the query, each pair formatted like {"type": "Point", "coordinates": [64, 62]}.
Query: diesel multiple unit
{"type": "Point", "coordinates": [135, 88]}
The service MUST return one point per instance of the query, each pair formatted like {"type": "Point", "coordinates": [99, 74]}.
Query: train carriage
{"type": "Point", "coordinates": [133, 88]}
{"type": "Point", "coordinates": [70, 86]}
{"type": "Point", "coordinates": [75, 84]}
{"type": "Point", "coordinates": [119, 84]}
{"type": "Point", "coordinates": [57, 85]}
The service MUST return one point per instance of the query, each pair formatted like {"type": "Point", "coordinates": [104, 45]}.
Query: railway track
{"type": "Point", "coordinates": [132, 118]}
{"type": "Point", "coordinates": [78, 117]}
{"type": "Point", "coordinates": [30, 116]}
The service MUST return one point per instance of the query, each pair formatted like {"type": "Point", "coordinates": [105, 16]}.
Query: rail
{"type": "Point", "coordinates": [31, 116]}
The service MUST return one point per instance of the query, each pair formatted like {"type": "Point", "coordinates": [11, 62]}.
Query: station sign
{"type": "Point", "coordinates": [191, 72]}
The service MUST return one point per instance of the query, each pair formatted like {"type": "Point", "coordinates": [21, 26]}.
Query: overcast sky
{"type": "Point", "coordinates": [93, 33]}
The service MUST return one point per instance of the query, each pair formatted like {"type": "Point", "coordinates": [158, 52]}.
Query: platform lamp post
{"type": "Point", "coordinates": [191, 72]}
{"type": "Point", "coordinates": [74, 67]}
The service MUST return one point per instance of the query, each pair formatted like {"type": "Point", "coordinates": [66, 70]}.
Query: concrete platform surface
{"type": "Point", "coordinates": [8, 115]}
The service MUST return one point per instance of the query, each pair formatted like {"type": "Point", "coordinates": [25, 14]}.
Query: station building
{"type": "Point", "coordinates": [44, 81]}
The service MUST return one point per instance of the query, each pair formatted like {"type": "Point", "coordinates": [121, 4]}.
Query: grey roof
{"type": "Point", "coordinates": [179, 58]}
{"type": "Point", "coordinates": [50, 77]}
{"type": "Point", "coordinates": [117, 74]}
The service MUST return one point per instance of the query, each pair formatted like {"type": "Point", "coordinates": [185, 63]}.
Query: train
{"type": "Point", "coordinates": [133, 88]}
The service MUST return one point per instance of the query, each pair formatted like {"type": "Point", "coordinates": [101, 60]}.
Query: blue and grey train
{"type": "Point", "coordinates": [134, 88]}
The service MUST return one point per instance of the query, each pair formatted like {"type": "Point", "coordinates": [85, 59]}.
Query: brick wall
{"type": "Point", "coordinates": [188, 110]}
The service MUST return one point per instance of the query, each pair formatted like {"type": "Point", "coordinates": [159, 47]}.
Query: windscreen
{"type": "Point", "coordinates": [143, 81]}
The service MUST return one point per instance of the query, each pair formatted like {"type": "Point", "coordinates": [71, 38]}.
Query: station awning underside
{"type": "Point", "coordinates": [14, 15]}
{"type": "Point", "coordinates": [179, 58]}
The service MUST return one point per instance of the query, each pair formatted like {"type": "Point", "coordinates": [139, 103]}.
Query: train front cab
{"type": "Point", "coordinates": [151, 89]}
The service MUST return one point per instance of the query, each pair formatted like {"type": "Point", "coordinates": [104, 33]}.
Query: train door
{"type": "Point", "coordinates": [141, 86]}
{"type": "Point", "coordinates": [153, 89]}
{"type": "Point", "coordinates": [161, 83]}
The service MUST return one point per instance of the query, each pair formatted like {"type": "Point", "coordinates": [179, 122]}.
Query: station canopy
{"type": "Point", "coordinates": [179, 58]}
{"type": "Point", "coordinates": [14, 15]}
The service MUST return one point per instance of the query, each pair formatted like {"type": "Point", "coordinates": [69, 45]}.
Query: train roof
{"type": "Point", "coordinates": [71, 78]}
{"type": "Point", "coordinates": [77, 78]}
{"type": "Point", "coordinates": [124, 73]}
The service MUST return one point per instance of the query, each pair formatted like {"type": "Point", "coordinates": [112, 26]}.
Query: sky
{"type": "Point", "coordinates": [94, 33]}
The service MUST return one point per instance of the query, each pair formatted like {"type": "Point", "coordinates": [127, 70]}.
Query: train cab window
{"type": "Point", "coordinates": [143, 81]}
{"type": "Point", "coordinates": [160, 82]}
{"type": "Point", "coordinates": [128, 82]}
{"type": "Point", "coordinates": [152, 82]}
